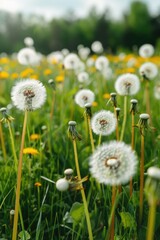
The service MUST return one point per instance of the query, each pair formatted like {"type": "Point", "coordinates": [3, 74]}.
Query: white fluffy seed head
{"type": "Point", "coordinates": [146, 50]}
{"type": "Point", "coordinates": [29, 42]}
{"type": "Point", "coordinates": [71, 61]}
{"type": "Point", "coordinates": [28, 56]}
{"type": "Point", "coordinates": [157, 91]}
{"type": "Point", "coordinates": [62, 184]}
{"type": "Point", "coordinates": [84, 96]}
{"type": "Point", "coordinates": [113, 163]}
{"type": "Point", "coordinates": [103, 122]}
{"type": "Point", "coordinates": [149, 70]}
{"type": "Point", "coordinates": [144, 116]}
{"type": "Point", "coordinates": [83, 77]}
{"type": "Point", "coordinates": [97, 47]}
{"type": "Point", "coordinates": [154, 172]}
{"type": "Point", "coordinates": [127, 84]}
{"type": "Point", "coordinates": [101, 63]}
{"type": "Point", "coordinates": [28, 94]}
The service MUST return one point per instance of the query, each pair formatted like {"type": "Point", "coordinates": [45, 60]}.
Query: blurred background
{"type": "Point", "coordinates": [54, 25]}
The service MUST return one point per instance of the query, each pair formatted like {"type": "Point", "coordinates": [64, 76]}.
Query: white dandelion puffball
{"type": "Point", "coordinates": [103, 122]}
{"type": "Point", "coordinates": [28, 94]}
{"type": "Point", "coordinates": [28, 56]}
{"type": "Point", "coordinates": [154, 172]}
{"type": "Point", "coordinates": [97, 47]}
{"type": "Point", "coordinates": [157, 91]}
{"type": "Point", "coordinates": [71, 61]}
{"type": "Point", "coordinates": [113, 163]}
{"type": "Point", "coordinates": [149, 70]}
{"type": "Point", "coordinates": [84, 96]}
{"type": "Point", "coordinates": [127, 84]}
{"type": "Point", "coordinates": [62, 185]}
{"type": "Point", "coordinates": [83, 77]}
{"type": "Point", "coordinates": [84, 52]}
{"type": "Point", "coordinates": [28, 41]}
{"type": "Point", "coordinates": [55, 57]}
{"type": "Point", "coordinates": [101, 63]}
{"type": "Point", "coordinates": [146, 50]}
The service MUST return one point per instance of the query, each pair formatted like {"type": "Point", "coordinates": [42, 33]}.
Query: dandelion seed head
{"type": "Point", "coordinates": [127, 84]}
{"type": "Point", "coordinates": [28, 94]}
{"type": "Point", "coordinates": [146, 50]}
{"type": "Point", "coordinates": [28, 56]}
{"type": "Point", "coordinates": [113, 163]}
{"type": "Point", "coordinates": [149, 70]}
{"type": "Point", "coordinates": [84, 96]}
{"type": "Point", "coordinates": [83, 77]}
{"type": "Point", "coordinates": [62, 185]}
{"type": "Point", "coordinates": [29, 42]}
{"type": "Point", "coordinates": [103, 122]}
{"type": "Point", "coordinates": [154, 172]}
{"type": "Point", "coordinates": [157, 91]}
{"type": "Point", "coordinates": [101, 63]}
{"type": "Point", "coordinates": [144, 116]}
{"type": "Point", "coordinates": [97, 47]}
{"type": "Point", "coordinates": [71, 61]}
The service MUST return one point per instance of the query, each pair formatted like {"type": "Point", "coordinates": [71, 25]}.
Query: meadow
{"type": "Point", "coordinates": [49, 149]}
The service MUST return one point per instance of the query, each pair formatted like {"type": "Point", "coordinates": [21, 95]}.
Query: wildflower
{"type": "Point", "coordinates": [103, 122]}
{"type": "Point", "coordinates": [65, 51]}
{"type": "Point", "coordinates": [29, 42]}
{"type": "Point", "coordinates": [71, 61]}
{"type": "Point", "coordinates": [83, 77]}
{"type": "Point", "coordinates": [62, 185]}
{"type": "Point", "coordinates": [68, 173]}
{"type": "Point", "coordinates": [4, 75]}
{"type": "Point", "coordinates": [72, 132]}
{"type": "Point", "coordinates": [146, 50]}
{"type": "Point", "coordinates": [148, 70]}
{"type": "Point", "coordinates": [55, 57]}
{"type": "Point", "coordinates": [154, 172]}
{"type": "Point", "coordinates": [38, 184]}
{"type": "Point", "coordinates": [101, 63]}
{"type": "Point", "coordinates": [157, 91]}
{"type": "Point", "coordinates": [113, 163]}
{"type": "Point", "coordinates": [28, 56]}
{"type": "Point", "coordinates": [30, 150]}
{"type": "Point", "coordinates": [127, 84]}
{"type": "Point", "coordinates": [84, 52]}
{"type": "Point", "coordinates": [35, 136]}
{"type": "Point", "coordinates": [84, 96]}
{"type": "Point", "coordinates": [28, 94]}
{"type": "Point", "coordinates": [97, 47]}
{"type": "Point", "coordinates": [6, 117]}
{"type": "Point", "coordinates": [133, 106]}
{"type": "Point", "coordinates": [47, 72]}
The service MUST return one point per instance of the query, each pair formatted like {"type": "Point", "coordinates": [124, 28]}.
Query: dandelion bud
{"type": "Point", "coordinates": [88, 109]}
{"type": "Point", "coordinates": [68, 173]}
{"type": "Point", "coordinates": [12, 212]}
{"type": "Point", "coordinates": [52, 83]}
{"type": "Point", "coordinates": [6, 117]}
{"type": "Point", "coordinates": [113, 99]}
{"type": "Point", "coordinates": [72, 131]}
{"type": "Point", "coordinates": [62, 185]}
{"type": "Point", "coordinates": [117, 112]}
{"type": "Point", "coordinates": [133, 106]}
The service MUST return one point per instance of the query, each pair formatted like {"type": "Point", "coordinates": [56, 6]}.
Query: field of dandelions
{"type": "Point", "coordinates": [80, 144]}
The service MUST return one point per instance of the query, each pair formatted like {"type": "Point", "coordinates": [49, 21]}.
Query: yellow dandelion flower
{"type": "Point", "coordinates": [60, 78]}
{"type": "Point", "coordinates": [4, 75]}
{"type": "Point", "coordinates": [94, 104]}
{"type": "Point", "coordinates": [38, 184]}
{"type": "Point", "coordinates": [34, 76]}
{"type": "Point", "coordinates": [35, 136]}
{"type": "Point", "coordinates": [4, 60]}
{"type": "Point", "coordinates": [31, 151]}
{"type": "Point", "coordinates": [14, 75]}
{"type": "Point", "coordinates": [47, 72]}
{"type": "Point", "coordinates": [106, 96]}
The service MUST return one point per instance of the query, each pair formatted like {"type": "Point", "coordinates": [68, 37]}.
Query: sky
{"type": "Point", "coordinates": [57, 8]}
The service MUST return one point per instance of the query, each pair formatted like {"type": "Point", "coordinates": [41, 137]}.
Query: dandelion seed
{"type": "Point", "coordinates": [127, 84]}
{"type": "Point", "coordinates": [103, 122]}
{"type": "Point", "coordinates": [84, 96]}
{"type": "Point", "coordinates": [113, 163]}
{"type": "Point", "coordinates": [28, 95]}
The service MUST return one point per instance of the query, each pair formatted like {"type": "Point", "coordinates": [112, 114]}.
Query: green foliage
{"type": "Point", "coordinates": [128, 221]}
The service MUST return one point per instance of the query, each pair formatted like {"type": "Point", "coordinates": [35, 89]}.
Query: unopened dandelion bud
{"type": "Point", "coordinates": [143, 122]}
{"type": "Point", "coordinates": [117, 112]}
{"type": "Point", "coordinates": [52, 83]}
{"type": "Point", "coordinates": [62, 185]}
{"type": "Point", "coordinates": [6, 117]}
{"type": "Point", "coordinates": [72, 131]}
{"type": "Point", "coordinates": [44, 128]}
{"type": "Point", "coordinates": [88, 109]}
{"type": "Point", "coordinates": [113, 99]}
{"type": "Point", "coordinates": [133, 108]}
{"type": "Point", "coordinates": [68, 173]}
{"type": "Point", "coordinates": [154, 172]}
{"type": "Point", "coordinates": [12, 212]}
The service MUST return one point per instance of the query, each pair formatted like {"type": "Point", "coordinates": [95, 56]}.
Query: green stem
{"type": "Point", "coordinates": [2, 143]}
{"type": "Point", "coordinates": [15, 225]}
{"type": "Point", "coordinates": [99, 140]}
{"type": "Point", "coordinates": [90, 134]}
{"type": "Point", "coordinates": [151, 221]}
{"type": "Point", "coordinates": [82, 192]}
{"type": "Point", "coordinates": [141, 178]}
{"type": "Point", "coordinates": [13, 145]}
{"type": "Point", "coordinates": [132, 145]}
{"type": "Point", "coordinates": [124, 118]}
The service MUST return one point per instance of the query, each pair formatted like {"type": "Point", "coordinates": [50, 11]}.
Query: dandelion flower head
{"type": "Point", "coordinates": [148, 70]}
{"type": "Point", "coordinates": [146, 50]}
{"type": "Point", "coordinates": [71, 61]}
{"type": "Point", "coordinates": [28, 56]}
{"type": "Point", "coordinates": [157, 91]}
{"type": "Point", "coordinates": [83, 77]}
{"type": "Point", "coordinates": [97, 47]}
{"type": "Point", "coordinates": [113, 163]}
{"type": "Point", "coordinates": [28, 94]}
{"type": "Point", "coordinates": [84, 96]}
{"type": "Point", "coordinates": [103, 122]}
{"type": "Point", "coordinates": [127, 84]}
{"type": "Point", "coordinates": [101, 63]}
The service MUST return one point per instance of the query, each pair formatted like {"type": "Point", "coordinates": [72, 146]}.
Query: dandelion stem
{"type": "Point", "coordinates": [117, 128]}
{"type": "Point", "coordinates": [90, 133]}
{"type": "Point", "coordinates": [82, 192]}
{"type": "Point", "coordinates": [15, 225]}
{"type": "Point", "coordinates": [124, 118]}
{"type": "Point", "coordinates": [113, 215]}
{"type": "Point", "coordinates": [2, 143]}
{"type": "Point", "coordinates": [151, 221]}
{"type": "Point", "coordinates": [52, 107]}
{"type": "Point", "coordinates": [141, 177]}
{"type": "Point", "coordinates": [13, 145]}
{"type": "Point", "coordinates": [132, 145]}
{"type": "Point", "coordinates": [99, 140]}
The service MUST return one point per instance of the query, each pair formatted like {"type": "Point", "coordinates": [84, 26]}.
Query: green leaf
{"type": "Point", "coordinates": [128, 220]}
{"type": "Point", "coordinates": [24, 235]}
{"type": "Point", "coordinates": [77, 211]}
